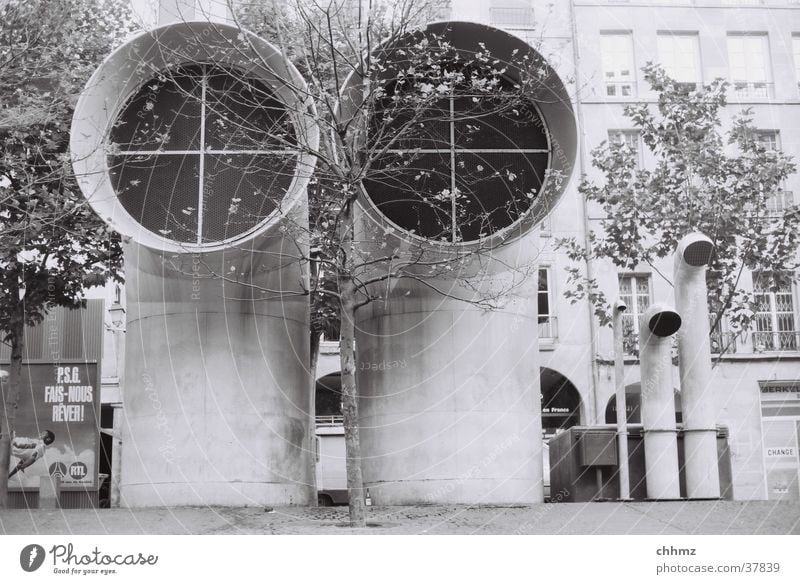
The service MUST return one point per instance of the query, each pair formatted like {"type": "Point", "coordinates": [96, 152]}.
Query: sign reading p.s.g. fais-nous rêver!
{"type": "Point", "coordinates": [57, 429]}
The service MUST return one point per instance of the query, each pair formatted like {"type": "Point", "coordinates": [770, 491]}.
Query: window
{"type": "Point", "coordinates": [782, 199]}
{"type": "Point", "coordinates": [680, 56]}
{"type": "Point", "coordinates": [629, 138]}
{"type": "Point", "coordinates": [796, 51]}
{"type": "Point", "coordinates": [547, 320]}
{"type": "Point", "coordinates": [774, 313]}
{"type": "Point", "coordinates": [618, 68]}
{"type": "Point", "coordinates": [634, 291]}
{"type": "Point", "coordinates": [511, 13]}
{"type": "Point", "coordinates": [748, 60]}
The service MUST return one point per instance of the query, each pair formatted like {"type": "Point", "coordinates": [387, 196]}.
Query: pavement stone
{"type": "Point", "coordinates": [662, 518]}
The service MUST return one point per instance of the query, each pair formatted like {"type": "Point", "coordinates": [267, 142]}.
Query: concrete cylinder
{"type": "Point", "coordinates": [216, 401]}
{"type": "Point", "coordinates": [694, 353]}
{"type": "Point", "coordinates": [659, 323]}
{"type": "Point", "coordinates": [450, 404]}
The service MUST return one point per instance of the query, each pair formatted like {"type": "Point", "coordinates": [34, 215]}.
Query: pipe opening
{"type": "Point", "coordinates": [664, 323]}
{"type": "Point", "coordinates": [698, 253]}
{"type": "Point", "coordinates": [201, 154]}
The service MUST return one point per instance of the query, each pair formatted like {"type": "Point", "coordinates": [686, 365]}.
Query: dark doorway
{"type": "Point", "coordinates": [561, 402]}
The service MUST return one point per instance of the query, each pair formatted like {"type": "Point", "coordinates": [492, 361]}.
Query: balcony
{"type": "Point", "coordinates": [548, 328]}
{"type": "Point", "coordinates": [756, 89]}
{"type": "Point", "coordinates": [723, 343]}
{"type": "Point", "coordinates": [329, 421]}
{"type": "Point", "coordinates": [511, 17]}
{"type": "Point", "coordinates": [775, 341]}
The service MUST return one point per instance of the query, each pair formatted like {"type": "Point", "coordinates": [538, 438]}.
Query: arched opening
{"type": "Point", "coordinates": [328, 398]}
{"type": "Point", "coordinates": [633, 405]}
{"type": "Point", "coordinates": [561, 402]}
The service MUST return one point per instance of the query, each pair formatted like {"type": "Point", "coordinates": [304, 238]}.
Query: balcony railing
{"type": "Point", "coordinates": [512, 17]}
{"type": "Point", "coordinates": [329, 421]}
{"type": "Point", "coordinates": [782, 201]}
{"type": "Point", "coordinates": [759, 89]}
{"type": "Point", "coordinates": [775, 341]}
{"type": "Point", "coordinates": [548, 327]}
{"type": "Point", "coordinates": [723, 343]}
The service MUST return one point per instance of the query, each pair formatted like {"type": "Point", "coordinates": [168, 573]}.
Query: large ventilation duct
{"type": "Point", "coordinates": [184, 144]}
{"type": "Point", "coordinates": [694, 349]}
{"type": "Point", "coordinates": [659, 323]}
{"type": "Point", "coordinates": [450, 405]}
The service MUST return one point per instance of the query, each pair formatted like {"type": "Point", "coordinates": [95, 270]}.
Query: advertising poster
{"type": "Point", "coordinates": [57, 426]}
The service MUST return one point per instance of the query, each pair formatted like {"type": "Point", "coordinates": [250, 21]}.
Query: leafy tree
{"type": "Point", "coordinates": [701, 181]}
{"type": "Point", "coordinates": [52, 246]}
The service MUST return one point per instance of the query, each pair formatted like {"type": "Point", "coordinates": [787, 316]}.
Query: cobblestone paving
{"type": "Point", "coordinates": [705, 517]}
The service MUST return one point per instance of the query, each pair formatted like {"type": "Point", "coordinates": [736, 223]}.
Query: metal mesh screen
{"type": "Point", "coordinates": [414, 192]}
{"type": "Point", "coordinates": [239, 192]}
{"type": "Point", "coordinates": [163, 114]}
{"type": "Point", "coordinates": [201, 154]}
{"type": "Point", "coordinates": [159, 192]}
{"type": "Point", "coordinates": [465, 168]}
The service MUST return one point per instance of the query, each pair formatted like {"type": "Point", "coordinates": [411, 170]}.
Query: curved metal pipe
{"type": "Point", "coordinates": [692, 256]}
{"type": "Point", "coordinates": [659, 323]}
{"type": "Point", "coordinates": [217, 408]}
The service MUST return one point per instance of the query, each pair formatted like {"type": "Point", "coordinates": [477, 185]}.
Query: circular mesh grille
{"type": "Point", "coordinates": [202, 154]}
{"type": "Point", "coordinates": [465, 168]}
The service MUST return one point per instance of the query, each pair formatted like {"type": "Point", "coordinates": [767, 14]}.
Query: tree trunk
{"type": "Point", "coordinates": [312, 414]}
{"type": "Point", "coordinates": [347, 355]}
{"type": "Point", "coordinates": [8, 417]}
{"type": "Point", "coordinates": [352, 441]}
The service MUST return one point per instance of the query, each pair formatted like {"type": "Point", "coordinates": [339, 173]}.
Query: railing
{"type": "Point", "coordinates": [760, 89]}
{"type": "Point", "coordinates": [724, 343]}
{"type": "Point", "coordinates": [512, 17]}
{"type": "Point", "coordinates": [775, 341]}
{"type": "Point", "coordinates": [329, 421]}
{"type": "Point", "coordinates": [548, 327]}
{"type": "Point", "coordinates": [782, 201]}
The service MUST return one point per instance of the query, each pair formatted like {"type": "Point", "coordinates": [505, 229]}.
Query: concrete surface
{"type": "Point", "coordinates": [670, 518]}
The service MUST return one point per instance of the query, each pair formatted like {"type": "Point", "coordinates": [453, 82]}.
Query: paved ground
{"type": "Point", "coordinates": [760, 517]}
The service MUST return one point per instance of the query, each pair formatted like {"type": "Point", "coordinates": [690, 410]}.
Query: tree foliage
{"type": "Point", "coordinates": [52, 246]}
{"type": "Point", "coordinates": [720, 184]}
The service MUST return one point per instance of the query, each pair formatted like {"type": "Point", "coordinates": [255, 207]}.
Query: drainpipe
{"type": "Point", "coordinates": [659, 323]}
{"type": "Point", "coordinates": [595, 405]}
{"type": "Point", "coordinates": [700, 438]}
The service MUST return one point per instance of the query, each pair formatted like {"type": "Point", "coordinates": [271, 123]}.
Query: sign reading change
{"type": "Point", "coordinates": [57, 430]}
